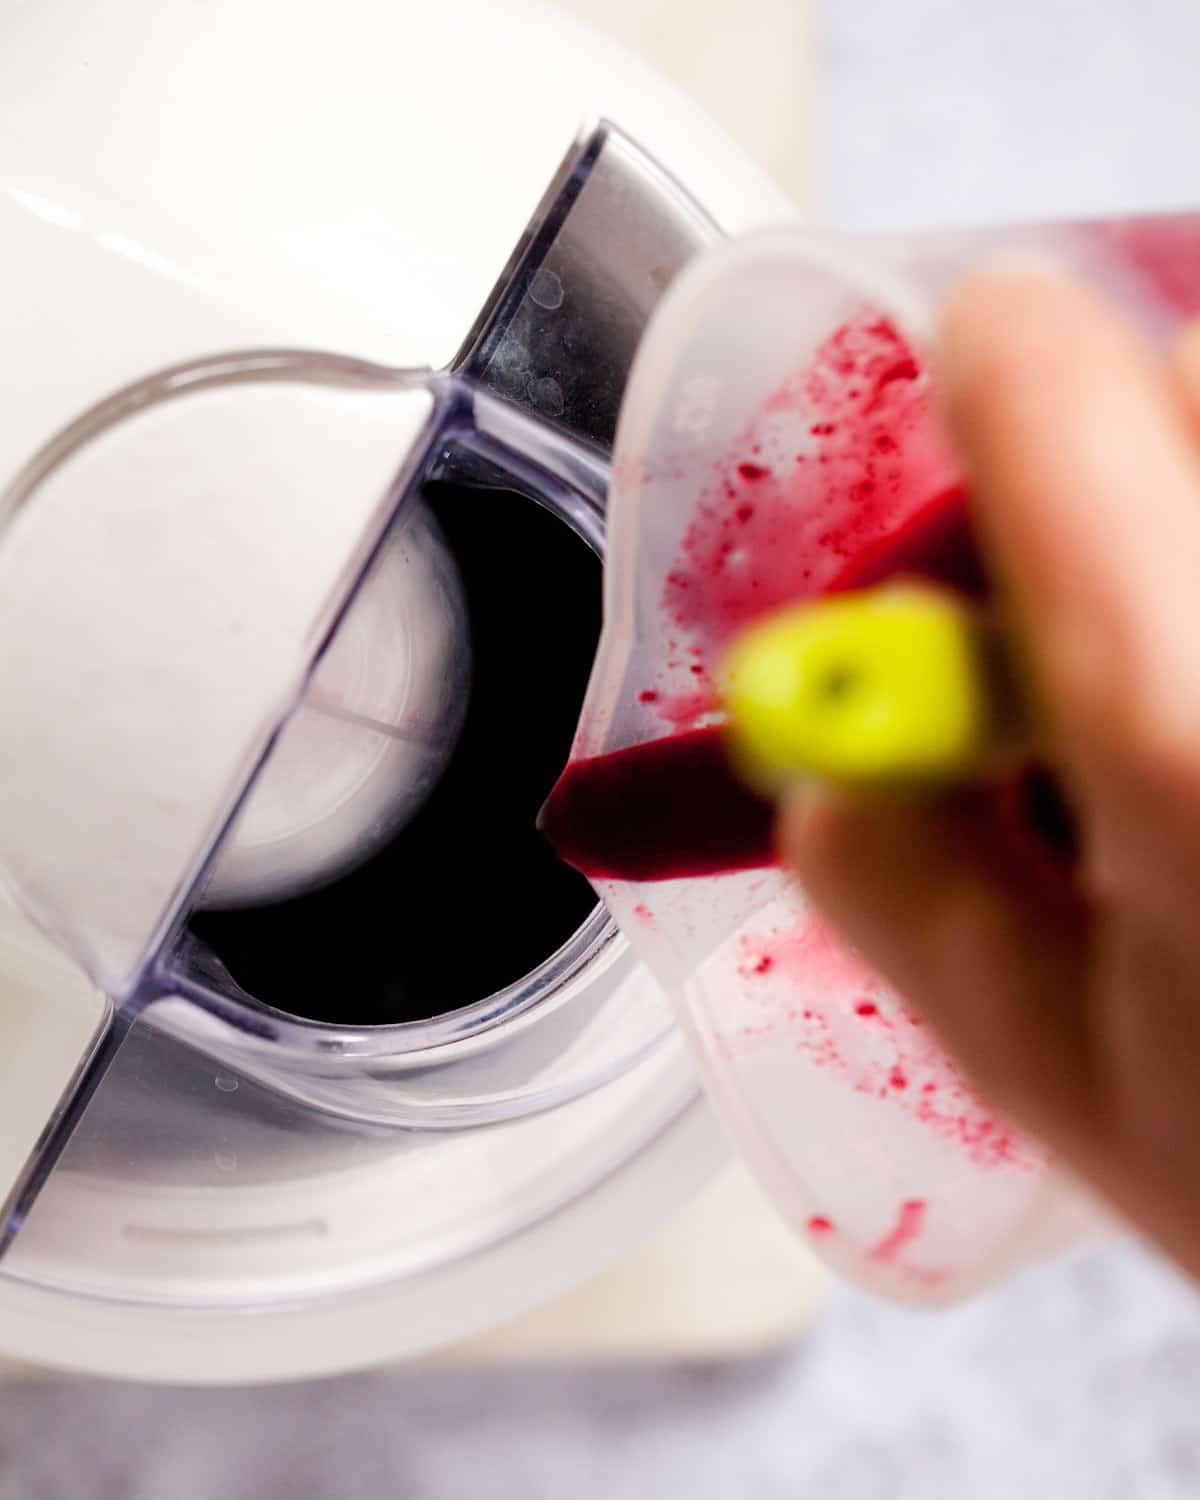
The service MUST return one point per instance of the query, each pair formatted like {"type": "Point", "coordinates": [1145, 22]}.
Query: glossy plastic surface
{"type": "Point", "coordinates": [173, 563]}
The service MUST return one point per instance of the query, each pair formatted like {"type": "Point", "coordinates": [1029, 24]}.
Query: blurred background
{"type": "Point", "coordinates": [718, 1363]}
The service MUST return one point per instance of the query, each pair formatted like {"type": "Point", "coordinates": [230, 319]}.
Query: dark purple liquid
{"type": "Point", "coordinates": [673, 807]}
{"type": "Point", "coordinates": [660, 811]}
{"type": "Point", "coordinates": [468, 897]}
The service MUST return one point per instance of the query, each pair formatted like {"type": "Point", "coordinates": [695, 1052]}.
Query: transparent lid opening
{"type": "Point", "coordinates": [175, 564]}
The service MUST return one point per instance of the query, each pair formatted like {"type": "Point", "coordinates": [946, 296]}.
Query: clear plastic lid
{"type": "Point", "coordinates": [153, 676]}
{"type": "Point", "coordinates": [238, 647]}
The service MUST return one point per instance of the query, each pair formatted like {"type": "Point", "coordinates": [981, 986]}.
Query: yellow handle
{"type": "Point", "coordinates": [884, 687]}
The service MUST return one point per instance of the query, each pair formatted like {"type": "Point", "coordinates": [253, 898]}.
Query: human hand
{"type": "Point", "coordinates": [1070, 992]}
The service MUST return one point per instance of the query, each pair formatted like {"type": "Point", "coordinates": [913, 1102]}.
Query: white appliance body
{"type": "Point", "coordinates": [176, 181]}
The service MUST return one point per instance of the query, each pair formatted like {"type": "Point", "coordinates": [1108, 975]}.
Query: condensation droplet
{"type": "Point", "coordinates": [546, 289]}
{"type": "Point", "coordinates": [546, 394]}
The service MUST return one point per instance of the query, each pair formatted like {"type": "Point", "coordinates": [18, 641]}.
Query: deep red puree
{"type": "Point", "coordinates": [936, 542]}
{"type": "Point", "coordinates": [841, 460]}
{"type": "Point", "coordinates": [839, 482]}
{"type": "Point", "coordinates": [1164, 253]}
{"type": "Point", "coordinates": [660, 811]}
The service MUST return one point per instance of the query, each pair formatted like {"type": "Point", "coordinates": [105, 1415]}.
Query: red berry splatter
{"type": "Point", "coordinates": [752, 473]}
{"type": "Point", "coordinates": [910, 1221]}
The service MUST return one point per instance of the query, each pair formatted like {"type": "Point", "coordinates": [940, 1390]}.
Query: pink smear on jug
{"type": "Point", "coordinates": [842, 460]}
{"type": "Point", "coordinates": [803, 988]}
{"type": "Point", "coordinates": [864, 492]}
{"type": "Point", "coordinates": [1164, 254]}
{"type": "Point", "coordinates": [910, 1220]}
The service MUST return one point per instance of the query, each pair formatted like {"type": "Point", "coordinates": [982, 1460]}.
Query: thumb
{"type": "Point", "coordinates": [1085, 488]}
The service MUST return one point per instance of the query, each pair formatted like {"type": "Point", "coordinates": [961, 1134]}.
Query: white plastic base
{"type": "Point", "coordinates": [373, 219]}
{"type": "Point", "coordinates": [725, 1279]}
{"type": "Point", "coordinates": [395, 1320]}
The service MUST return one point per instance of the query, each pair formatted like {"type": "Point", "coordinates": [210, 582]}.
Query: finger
{"type": "Point", "coordinates": [979, 932]}
{"type": "Point", "coordinates": [1150, 1033]}
{"type": "Point", "coordinates": [1086, 490]}
{"type": "Point", "coordinates": [1185, 370]}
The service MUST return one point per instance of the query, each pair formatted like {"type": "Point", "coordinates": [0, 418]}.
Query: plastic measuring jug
{"type": "Point", "coordinates": [778, 439]}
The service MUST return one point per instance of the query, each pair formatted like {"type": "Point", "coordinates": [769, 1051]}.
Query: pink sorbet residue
{"type": "Point", "coordinates": [683, 709]}
{"type": "Point", "coordinates": [849, 452]}
{"type": "Point", "coordinates": [910, 1221]}
{"type": "Point", "coordinates": [810, 954]}
{"type": "Point", "coordinates": [804, 989]}
{"type": "Point", "coordinates": [1164, 253]}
